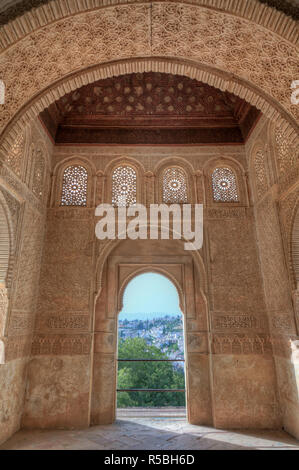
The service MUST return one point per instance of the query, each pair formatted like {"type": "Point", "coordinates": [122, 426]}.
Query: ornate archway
{"type": "Point", "coordinates": [239, 47]}
{"type": "Point", "coordinates": [179, 269]}
{"type": "Point", "coordinates": [251, 61]}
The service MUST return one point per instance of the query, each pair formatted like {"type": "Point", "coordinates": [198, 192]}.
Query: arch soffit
{"type": "Point", "coordinates": [194, 70]}
{"type": "Point", "coordinates": [295, 221]}
{"type": "Point", "coordinates": [10, 239]}
{"type": "Point", "coordinates": [208, 74]}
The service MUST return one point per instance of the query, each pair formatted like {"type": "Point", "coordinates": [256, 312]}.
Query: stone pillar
{"type": "Point", "coordinates": [103, 399]}
{"type": "Point", "coordinates": [198, 384]}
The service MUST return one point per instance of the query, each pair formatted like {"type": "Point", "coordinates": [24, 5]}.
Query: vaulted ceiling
{"type": "Point", "coordinates": [149, 108]}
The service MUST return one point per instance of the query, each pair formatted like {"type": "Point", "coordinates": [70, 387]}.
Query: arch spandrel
{"type": "Point", "coordinates": [107, 248]}
{"type": "Point", "coordinates": [24, 17]}
{"type": "Point", "coordinates": [244, 62]}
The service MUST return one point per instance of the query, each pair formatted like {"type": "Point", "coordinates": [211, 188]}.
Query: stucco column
{"type": "Point", "coordinates": [149, 178]}
{"type": "Point", "coordinates": [100, 187]}
{"type": "Point", "coordinates": [3, 315]}
{"type": "Point", "coordinates": [53, 191]}
{"type": "Point", "coordinates": [199, 187]}
{"type": "Point", "coordinates": [296, 306]}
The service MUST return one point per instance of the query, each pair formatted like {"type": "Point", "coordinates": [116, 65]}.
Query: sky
{"type": "Point", "coordinates": [148, 296]}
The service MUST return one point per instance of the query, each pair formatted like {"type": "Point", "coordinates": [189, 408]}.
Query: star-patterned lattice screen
{"type": "Point", "coordinates": [124, 186]}
{"type": "Point", "coordinates": [175, 186]}
{"type": "Point", "coordinates": [224, 185]}
{"type": "Point", "coordinates": [74, 186]}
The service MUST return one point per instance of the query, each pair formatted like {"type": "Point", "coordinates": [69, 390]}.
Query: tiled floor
{"type": "Point", "coordinates": [150, 433]}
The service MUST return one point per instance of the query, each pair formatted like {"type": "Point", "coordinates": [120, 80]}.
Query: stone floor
{"type": "Point", "coordinates": [153, 412]}
{"type": "Point", "coordinates": [150, 433]}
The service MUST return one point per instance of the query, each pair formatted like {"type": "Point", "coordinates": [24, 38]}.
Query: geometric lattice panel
{"type": "Point", "coordinates": [174, 186]}
{"type": "Point", "coordinates": [124, 186]}
{"type": "Point", "coordinates": [74, 186]}
{"type": "Point", "coordinates": [224, 185]}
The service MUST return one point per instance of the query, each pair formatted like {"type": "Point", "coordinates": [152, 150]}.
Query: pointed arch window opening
{"type": "Point", "coordinates": [163, 361]}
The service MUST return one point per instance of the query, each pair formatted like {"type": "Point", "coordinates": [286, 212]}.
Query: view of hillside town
{"type": "Point", "coordinates": [164, 332]}
{"type": "Point", "coordinates": [154, 382]}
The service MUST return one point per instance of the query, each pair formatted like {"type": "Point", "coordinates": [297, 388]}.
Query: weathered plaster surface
{"type": "Point", "coordinates": [12, 390]}
{"type": "Point", "coordinates": [57, 393]}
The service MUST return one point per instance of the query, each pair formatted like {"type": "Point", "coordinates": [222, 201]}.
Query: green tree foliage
{"type": "Point", "coordinates": [147, 375]}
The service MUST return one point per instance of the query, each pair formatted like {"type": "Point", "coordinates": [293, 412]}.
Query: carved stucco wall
{"type": "Point", "coordinates": [274, 186]}
{"type": "Point", "coordinates": [59, 373]}
{"type": "Point", "coordinates": [240, 340]}
{"type": "Point", "coordinates": [27, 213]}
{"type": "Point", "coordinates": [239, 337]}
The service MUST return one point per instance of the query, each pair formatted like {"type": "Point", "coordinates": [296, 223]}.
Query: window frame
{"type": "Point", "coordinates": [240, 177]}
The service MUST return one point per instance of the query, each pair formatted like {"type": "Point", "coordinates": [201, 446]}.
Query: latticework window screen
{"type": "Point", "coordinates": [175, 186]}
{"type": "Point", "coordinates": [224, 185]}
{"type": "Point", "coordinates": [74, 186]}
{"type": "Point", "coordinates": [124, 186]}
